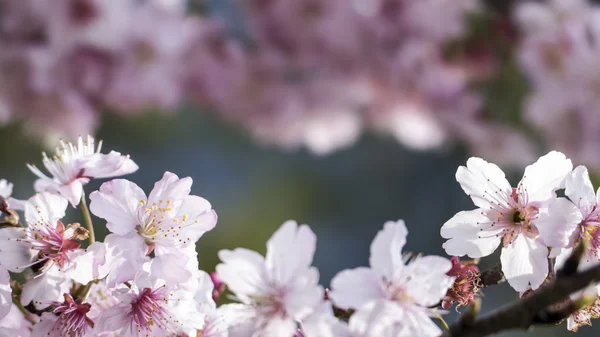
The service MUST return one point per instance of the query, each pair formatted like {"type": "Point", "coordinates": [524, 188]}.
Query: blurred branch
{"type": "Point", "coordinates": [536, 309]}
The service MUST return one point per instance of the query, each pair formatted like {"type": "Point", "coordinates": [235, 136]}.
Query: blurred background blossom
{"type": "Point", "coordinates": [338, 113]}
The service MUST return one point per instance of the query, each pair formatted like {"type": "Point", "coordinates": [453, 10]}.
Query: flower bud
{"type": "Point", "coordinates": [219, 286]}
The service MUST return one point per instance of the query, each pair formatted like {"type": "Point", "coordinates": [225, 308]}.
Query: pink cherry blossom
{"type": "Point", "coordinates": [275, 291]}
{"type": "Point", "coordinates": [406, 289]}
{"type": "Point", "coordinates": [69, 318]}
{"type": "Point", "coordinates": [149, 308]}
{"type": "Point", "coordinates": [507, 215]}
{"type": "Point", "coordinates": [167, 222]}
{"type": "Point", "coordinates": [74, 165]}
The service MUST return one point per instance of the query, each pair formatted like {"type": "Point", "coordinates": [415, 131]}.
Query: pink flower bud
{"type": "Point", "coordinates": [219, 286]}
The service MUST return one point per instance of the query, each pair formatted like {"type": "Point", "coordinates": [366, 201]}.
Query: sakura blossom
{"type": "Point", "coordinates": [69, 318]}
{"type": "Point", "coordinates": [148, 308]}
{"type": "Point", "coordinates": [274, 292]}
{"type": "Point", "coordinates": [406, 286]}
{"type": "Point", "coordinates": [507, 215]}
{"type": "Point", "coordinates": [167, 222]}
{"type": "Point", "coordinates": [74, 165]}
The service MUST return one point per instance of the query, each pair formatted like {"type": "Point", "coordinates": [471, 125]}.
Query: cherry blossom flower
{"type": "Point", "coordinates": [275, 291]}
{"type": "Point", "coordinates": [149, 308]}
{"type": "Point", "coordinates": [507, 215]}
{"type": "Point", "coordinates": [45, 234]}
{"type": "Point", "coordinates": [69, 318]}
{"type": "Point", "coordinates": [167, 222]}
{"type": "Point", "coordinates": [74, 165]}
{"type": "Point", "coordinates": [406, 289]}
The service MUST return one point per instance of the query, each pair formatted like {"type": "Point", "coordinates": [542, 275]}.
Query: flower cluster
{"type": "Point", "coordinates": [143, 278]}
{"type": "Point", "coordinates": [306, 73]}
{"type": "Point", "coordinates": [537, 229]}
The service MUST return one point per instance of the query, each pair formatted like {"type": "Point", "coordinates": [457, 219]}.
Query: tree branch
{"type": "Point", "coordinates": [534, 309]}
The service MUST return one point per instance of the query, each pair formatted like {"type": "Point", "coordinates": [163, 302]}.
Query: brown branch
{"type": "Point", "coordinates": [534, 309]}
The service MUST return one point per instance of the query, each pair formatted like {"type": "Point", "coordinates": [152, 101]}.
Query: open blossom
{"type": "Point", "coordinates": [408, 290]}
{"type": "Point", "coordinates": [507, 215]}
{"type": "Point", "coordinates": [149, 308]}
{"type": "Point", "coordinates": [69, 318]}
{"type": "Point", "coordinates": [275, 291]}
{"type": "Point", "coordinates": [167, 222]}
{"type": "Point", "coordinates": [74, 165]}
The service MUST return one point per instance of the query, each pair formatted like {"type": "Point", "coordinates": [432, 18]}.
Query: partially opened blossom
{"type": "Point", "coordinates": [167, 222]}
{"type": "Point", "coordinates": [149, 308]}
{"type": "Point", "coordinates": [68, 318]}
{"type": "Point", "coordinates": [74, 165]}
{"type": "Point", "coordinates": [507, 215]}
{"type": "Point", "coordinates": [276, 291]}
{"type": "Point", "coordinates": [408, 290]}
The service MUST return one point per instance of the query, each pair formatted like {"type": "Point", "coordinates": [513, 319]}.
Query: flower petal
{"type": "Point", "coordinates": [558, 226]}
{"type": "Point", "coordinates": [125, 256]}
{"type": "Point", "coordinates": [172, 190]}
{"type": "Point", "coordinates": [13, 254]}
{"type": "Point", "coordinates": [579, 188]}
{"type": "Point", "coordinates": [117, 201]}
{"type": "Point", "coordinates": [352, 288]}
{"type": "Point", "coordinates": [426, 279]}
{"type": "Point", "coordinates": [5, 292]}
{"type": "Point", "coordinates": [480, 180]}
{"type": "Point", "coordinates": [525, 263]}
{"type": "Point", "coordinates": [545, 176]}
{"type": "Point", "coordinates": [469, 233]}
{"type": "Point", "coordinates": [113, 164]}
{"type": "Point", "coordinates": [243, 271]}
{"type": "Point", "coordinates": [386, 249]}
{"type": "Point", "coordinates": [289, 251]}
{"type": "Point", "coordinates": [45, 207]}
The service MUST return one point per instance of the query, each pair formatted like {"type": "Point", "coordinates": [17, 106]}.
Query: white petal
{"type": "Point", "coordinates": [352, 288]}
{"type": "Point", "coordinates": [243, 271]}
{"type": "Point", "coordinates": [466, 237]}
{"type": "Point", "coordinates": [45, 288]}
{"type": "Point", "coordinates": [171, 188]}
{"type": "Point", "coordinates": [199, 217]}
{"type": "Point", "coordinates": [278, 327]}
{"type": "Point", "coordinates": [117, 201]}
{"type": "Point", "coordinates": [426, 279]}
{"type": "Point", "coordinates": [289, 251]}
{"type": "Point", "coordinates": [109, 165]}
{"type": "Point", "coordinates": [525, 263]}
{"type": "Point", "coordinates": [45, 326]}
{"type": "Point", "coordinates": [113, 319]}
{"type": "Point", "coordinates": [45, 207]}
{"type": "Point", "coordinates": [386, 249]}
{"type": "Point", "coordinates": [171, 268]}
{"type": "Point", "coordinates": [558, 225]}
{"type": "Point", "coordinates": [578, 187]}
{"type": "Point", "coordinates": [322, 323]}
{"type": "Point", "coordinates": [377, 318]}
{"type": "Point", "coordinates": [480, 180]}
{"type": "Point", "coordinates": [5, 292]}
{"type": "Point", "coordinates": [87, 264]}
{"type": "Point", "coordinates": [303, 294]}
{"type": "Point", "coordinates": [6, 188]}
{"type": "Point", "coordinates": [13, 254]}
{"type": "Point", "coordinates": [73, 190]}
{"type": "Point", "coordinates": [545, 176]}
{"type": "Point", "coordinates": [125, 256]}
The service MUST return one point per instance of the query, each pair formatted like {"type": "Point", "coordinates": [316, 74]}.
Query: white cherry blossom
{"type": "Point", "coordinates": [167, 222]}
{"type": "Point", "coordinates": [73, 166]}
{"type": "Point", "coordinates": [275, 291]}
{"type": "Point", "coordinates": [407, 290]}
{"type": "Point", "coordinates": [507, 215]}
